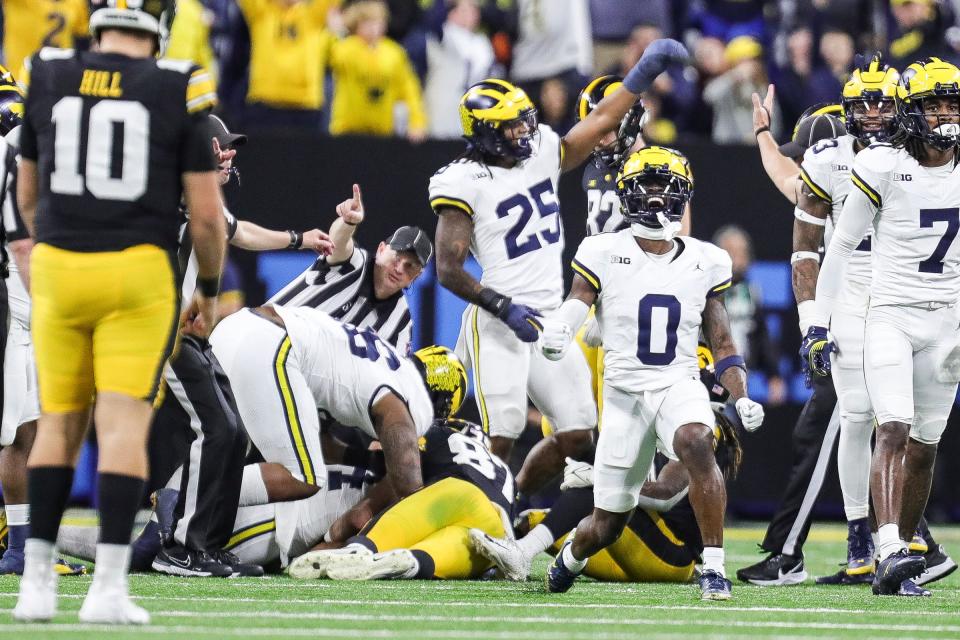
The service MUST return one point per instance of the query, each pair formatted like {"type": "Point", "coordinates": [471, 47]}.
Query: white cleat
{"type": "Point", "coordinates": [38, 598]}
{"type": "Point", "coordinates": [313, 565]}
{"type": "Point", "coordinates": [111, 605]}
{"type": "Point", "coordinates": [390, 565]}
{"type": "Point", "coordinates": [504, 553]}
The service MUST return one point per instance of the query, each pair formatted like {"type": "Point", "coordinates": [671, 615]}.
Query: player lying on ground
{"type": "Point", "coordinates": [425, 534]}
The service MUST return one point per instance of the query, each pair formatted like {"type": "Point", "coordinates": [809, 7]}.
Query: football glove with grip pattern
{"type": "Point", "coordinates": [815, 353]}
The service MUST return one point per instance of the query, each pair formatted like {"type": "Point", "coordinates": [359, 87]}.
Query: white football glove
{"type": "Point", "coordinates": [576, 475]}
{"type": "Point", "coordinates": [750, 412]}
{"type": "Point", "coordinates": [591, 332]}
{"type": "Point", "coordinates": [554, 338]}
{"type": "Point", "coordinates": [949, 370]}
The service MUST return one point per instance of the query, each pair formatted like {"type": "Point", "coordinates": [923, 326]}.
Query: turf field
{"type": "Point", "coordinates": [282, 608]}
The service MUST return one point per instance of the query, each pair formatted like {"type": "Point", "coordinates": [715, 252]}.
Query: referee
{"type": "Point", "coordinates": [197, 424]}
{"type": "Point", "coordinates": [362, 288]}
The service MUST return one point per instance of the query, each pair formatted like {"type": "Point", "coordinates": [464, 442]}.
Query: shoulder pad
{"type": "Point", "coordinates": [879, 158]}
{"type": "Point", "coordinates": [52, 53]}
{"type": "Point", "coordinates": [180, 66]}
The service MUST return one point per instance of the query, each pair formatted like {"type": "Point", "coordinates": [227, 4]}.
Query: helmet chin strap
{"type": "Point", "coordinates": [668, 229]}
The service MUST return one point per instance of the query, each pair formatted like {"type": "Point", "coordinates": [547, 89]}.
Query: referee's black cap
{"type": "Point", "coordinates": [226, 138]}
{"type": "Point", "coordinates": [811, 130]}
{"type": "Point", "coordinates": [412, 239]}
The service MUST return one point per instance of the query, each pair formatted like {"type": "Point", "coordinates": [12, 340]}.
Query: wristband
{"type": "Point", "coordinates": [799, 256]}
{"type": "Point", "coordinates": [296, 240]}
{"type": "Point", "coordinates": [209, 287]}
{"type": "Point", "coordinates": [729, 362]}
{"type": "Point", "coordinates": [803, 216]}
{"type": "Point", "coordinates": [493, 302]}
{"type": "Point", "coordinates": [761, 130]}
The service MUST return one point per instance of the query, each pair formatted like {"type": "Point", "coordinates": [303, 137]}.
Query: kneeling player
{"type": "Point", "coordinates": [654, 293]}
{"type": "Point", "coordinates": [426, 534]}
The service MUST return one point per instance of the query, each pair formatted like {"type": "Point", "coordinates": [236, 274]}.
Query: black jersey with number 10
{"type": "Point", "coordinates": [112, 136]}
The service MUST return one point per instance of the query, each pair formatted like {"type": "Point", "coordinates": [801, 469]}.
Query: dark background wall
{"type": "Point", "coordinates": [291, 181]}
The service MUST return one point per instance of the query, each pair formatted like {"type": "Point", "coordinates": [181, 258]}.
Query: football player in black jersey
{"type": "Point", "coordinates": [110, 140]}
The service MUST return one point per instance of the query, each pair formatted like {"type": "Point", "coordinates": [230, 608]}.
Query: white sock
{"type": "Point", "coordinates": [38, 555]}
{"type": "Point", "coordinates": [569, 561]}
{"type": "Point", "coordinates": [253, 490]}
{"type": "Point", "coordinates": [17, 514]}
{"type": "Point", "coordinates": [876, 541]}
{"type": "Point", "coordinates": [890, 542]}
{"type": "Point", "coordinates": [853, 465]}
{"type": "Point", "coordinates": [713, 560]}
{"type": "Point", "coordinates": [112, 563]}
{"type": "Point", "coordinates": [539, 539]}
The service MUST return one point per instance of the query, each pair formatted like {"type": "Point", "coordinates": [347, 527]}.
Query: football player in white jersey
{"type": "Point", "coordinates": [868, 100]}
{"type": "Point", "coordinates": [499, 201]}
{"type": "Point", "coordinates": [286, 364]}
{"type": "Point", "coordinates": [910, 191]}
{"type": "Point", "coordinates": [653, 294]}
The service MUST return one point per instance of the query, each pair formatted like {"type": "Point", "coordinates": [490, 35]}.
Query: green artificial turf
{"type": "Point", "coordinates": [278, 607]}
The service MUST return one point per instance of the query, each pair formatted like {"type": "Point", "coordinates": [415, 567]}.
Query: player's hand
{"type": "Point", "coordinates": [815, 353]}
{"type": "Point", "coordinates": [554, 338]}
{"type": "Point", "coordinates": [656, 58]}
{"type": "Point", "coordinates": [416, 136]}
{"type": "Point", "coordinates": [524, 320]}
{"type": "Point", "coordinates": [576, 475]}
{"type": "Point", "coordinates": [762, 109]}
{"type": "Point", "coordinates": [318, 241]}
{"type": "Point", "coordinates": [750, 412]}
{"type": "Point", "coordinates": [200, 317]}
{"type": "Point", "coordinates": [591, 333]}
{"type": "Point", "coordinates": [351, 210]}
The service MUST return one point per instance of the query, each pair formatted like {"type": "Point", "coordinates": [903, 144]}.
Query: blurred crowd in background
{"type": "Point", "coordinates": [399, 67]}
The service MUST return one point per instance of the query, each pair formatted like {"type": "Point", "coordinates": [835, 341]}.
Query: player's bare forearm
{"type": "Point", "coordinates": [807, 237]}
{"type": "Point", "coordinates": [27, 189]}
{"type": "Point", "coordinates": [581, 140]}
{"type": "Point", "coordinates": [581, 290]}
{"type": "Point", "coordinates": [716, 329]}
{"type": "Point", "coordinates": [398, 439]}
{"type": "Point", "coordinates": [207, 227]}
{"type": "Point", "coordinates": [454, 231]}
{"type": "Point", "coordinates": [671, 480]}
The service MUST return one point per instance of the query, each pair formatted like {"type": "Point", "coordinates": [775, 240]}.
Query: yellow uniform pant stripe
{"type": "Point", "coordinates": [290, 413]}
{"type": "Point", "coordinates": [250, 532]}
{"type": "Point", "coordinates": [481, 401]}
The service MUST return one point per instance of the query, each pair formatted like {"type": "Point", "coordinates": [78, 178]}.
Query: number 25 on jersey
{"type": "Point", "coordinates": [519, 240]}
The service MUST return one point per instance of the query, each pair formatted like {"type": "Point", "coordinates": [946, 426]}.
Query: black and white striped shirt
{"type": "Point", "coordinates": [345, 291]}
{"type": "Point", "coordinates": [187, 256]}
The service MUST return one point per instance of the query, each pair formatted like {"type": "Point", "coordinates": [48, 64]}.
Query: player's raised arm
{"type": "Point", "coordinates": [731, 369]}
{"type": "Point", "coordinates": [398, 437]}
{"type": "Point", "coordinates": [580, 142]}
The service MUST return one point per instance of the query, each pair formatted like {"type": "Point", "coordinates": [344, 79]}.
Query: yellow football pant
{"type": "Point", "coordinates": [630, 558]}
{"type": "Point", "coordinates": [102, 321]}
{"type": "Point", "coordinates": [435, 520]}
{"type": "Point", "coordinates": [594, 356]}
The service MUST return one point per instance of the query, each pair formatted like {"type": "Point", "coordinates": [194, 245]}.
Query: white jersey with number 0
{"type": "Point", "coordinates": [650, 307]}
{"type": "Point", "coordinates": [517, 231]}
{"type": "Point", "coordinates": [349, 369]}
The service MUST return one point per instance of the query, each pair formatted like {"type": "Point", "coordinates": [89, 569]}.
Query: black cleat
{"type": "Point", "coordinates": [240, 569]}
{"type": "Point", "coordinates": [939, 565]}
{"type": "Point", "coordinates": [843, 578]}
{"type": "Point", "coordinates": [892, 571]}
{"type": "Point", "coordinates": [180, 561]}
{"type": "Point", "coordinates": [776, 570]}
